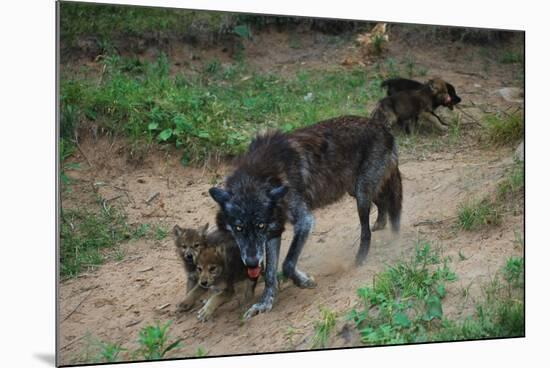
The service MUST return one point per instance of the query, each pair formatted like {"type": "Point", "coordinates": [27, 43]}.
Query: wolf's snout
{"type": "Point", "coordinates": [189, 257]}
{"type": "Point", "coordinates": [251, 262]}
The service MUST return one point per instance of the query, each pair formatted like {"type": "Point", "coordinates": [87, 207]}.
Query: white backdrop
{"type": "Point", "coordinates": [28, 160]}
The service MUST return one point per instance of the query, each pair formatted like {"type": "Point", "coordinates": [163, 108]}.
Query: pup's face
{"type": "Point", "coordinates": [250, 219]}
{"type": "Point", "coordinates": [210, 265]}
{"type": "Point", "coordinates": [190, 242]}
{"type": "Point", "coordinates": [439, 91]}
{"type": "Point", "coordinates": [455, 99]}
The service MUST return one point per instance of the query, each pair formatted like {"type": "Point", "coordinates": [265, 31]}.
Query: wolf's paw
{"type": "Point", "coordinates": [257, 309]}
{"type": "Point", "coordinates": [378, 226]}
{"type": "Point", "coordinates": [303, 280]}
{"type": "Point", "coordinates": [183, 306]}
{"type": "Point", "coordinates": [204, 313]}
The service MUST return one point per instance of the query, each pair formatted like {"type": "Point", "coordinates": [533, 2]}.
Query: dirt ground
{"type": "Point", "coordinates": [114, 301]}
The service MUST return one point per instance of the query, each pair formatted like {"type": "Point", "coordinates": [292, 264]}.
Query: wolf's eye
{"type": "Point", "coordinates": [199, 268]}
{"type": "Point", "coordinates": [212, 269]}
{"type": "Point", "coordinates": [261, 225]}
{"type": "Point", "coordinates": [238, 228]}
{"type": "Point", "coordinates": [196, 245]}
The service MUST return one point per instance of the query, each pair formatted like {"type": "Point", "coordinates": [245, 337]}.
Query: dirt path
{"type": "Point", "coordinates": [117, 300]}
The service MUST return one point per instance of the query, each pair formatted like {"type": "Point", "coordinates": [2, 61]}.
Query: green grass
{"type": "Point", "coordinates": [501, 129]}
{"type": "Point", "coordinates": [474, 215]}
{"type": "Point", "coordinates": [90, 237]}
{"type": "Point", "coordinates": [85, 237]}
{"type": "Point", "coordinates": [513, 183]}
{"type": "Point", "coordinates": [111, 21]}
{"type": "Point", "coordinates": [511, 57]}
{"type": "Point", "coordinates": [217, 111]}
{"type": "Point", "coordinates": [323, 327]}
{"type": "Point", "coordinates": [154, 343]}
{"type": "Point", "coordinates": [404, 302]}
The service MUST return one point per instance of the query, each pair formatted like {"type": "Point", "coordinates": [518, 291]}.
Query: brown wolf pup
{"type": "Point", "coordinates": [189, 244]}
{"type": "Point", "coordinates": [219, 267]}
{"type": "Point", "coordinates": [404, 107]}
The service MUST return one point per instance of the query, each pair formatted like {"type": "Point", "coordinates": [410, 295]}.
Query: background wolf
{"type": "Point", "coordinates": [286, 176]}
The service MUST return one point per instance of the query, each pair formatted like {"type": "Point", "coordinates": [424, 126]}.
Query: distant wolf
{"type": "Point", "coordinates": [398, 85]}
{"type": "Point", "coordinates": [285, 176]}
{"type": "Point", "coordinates": [219, 268]}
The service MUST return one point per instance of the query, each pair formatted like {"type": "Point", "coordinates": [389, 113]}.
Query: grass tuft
{"type": "Point", "coordinates": [323, 327]}
{"type": "Point", "coordinates": [476, 214]}
{"type": "Point", "coordinates": [501, 129]}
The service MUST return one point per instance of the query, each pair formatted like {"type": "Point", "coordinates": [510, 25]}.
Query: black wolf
{"type": "Point", "coordinates": [286, 176]}
{"type": "Point", "coordinates": [402, 85]}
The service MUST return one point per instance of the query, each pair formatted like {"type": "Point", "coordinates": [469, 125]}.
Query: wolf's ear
{"type": "Point", "coordinates": [220, 196]}
{"type": "Point", "coordinates": [431, 84]}
{"type": "Point", "coordinates": [177, 231]}
{"type": "Point", "coordinates": [277, 193]}
{"type": "Point", "coordinates": [203, 230]}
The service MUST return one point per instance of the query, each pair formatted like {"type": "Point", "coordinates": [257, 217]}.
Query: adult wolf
{"type": "Point", "coordinates": [286, 176]}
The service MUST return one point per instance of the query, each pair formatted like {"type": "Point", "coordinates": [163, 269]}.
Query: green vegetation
{"type": "Point", "coordinates": [513, 184]}
{"type": "Point", "coordinates": [86, 235]}
{"type": "Point", "coordinates": [503, 128]}
{"type": "Point", "coordinates": [404, 303]}
{"type": "Point", "coordinates": [213, 113]}
{"type": "Point", "coordinates": [511, 57]}
{"type": "Point", "coordinates": [88, 238]}
{"type": "Point", "coordinates": [323, 327]}
{"type": "Point", "coordinates": [476, 214]}
{"type": "Point", "coordinates": [154, 343]}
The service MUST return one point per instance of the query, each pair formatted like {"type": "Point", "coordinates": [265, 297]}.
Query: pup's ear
{"type": "Point", "coordinates": [203, 230]}
{"type": "Point", "coordinates": [220, 196]}
{"type": "Point", "coordinates": [431, 84]}
{"type": "Point", "coordinates": [277, 193]}
{"type": "Point", "coordinates": [177, 231]}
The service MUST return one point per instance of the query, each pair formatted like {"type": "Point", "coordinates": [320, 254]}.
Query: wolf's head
{"type": "Point", "coordinates": [253, 214]}
{"type": "Point", "coordinates": [438, 89]}
{"type": "Point", "coordinates": [210, 266]}
{"type": "Point", "coordinates": [189, 242]}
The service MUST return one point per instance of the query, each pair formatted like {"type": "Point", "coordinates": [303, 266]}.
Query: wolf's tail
{"type": "Point", "coordinates": [395, 192]}
{"type": "Point", "coordinates": [395, 199]}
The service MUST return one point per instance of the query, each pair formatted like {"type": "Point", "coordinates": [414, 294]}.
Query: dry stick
{"type": "Point", "coordinates": [72, 342]}
{"type": "Point", "coordinates": [78, 305]}
{"type": "Point", "coordinates": [151, 198]}
{"type": "Point", "coordinates": [474, 120]}
{"type": "Point", "coordinates": [471, 74]}
{"type": "Point", "coordinates": [82, 153]}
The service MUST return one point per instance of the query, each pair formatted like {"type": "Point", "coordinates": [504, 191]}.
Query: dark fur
{"type": "Point", "coordinates": [404, 107]}
{"type": "Point", "coordinates": [401, 84]}
{"type": "Point", "coordinates": [397, 85]}
{"type": "Point", "coordinates": [286, 176]}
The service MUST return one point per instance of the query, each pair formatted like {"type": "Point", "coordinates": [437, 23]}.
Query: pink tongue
{"type": "Point", "coordinates": [253, 273]}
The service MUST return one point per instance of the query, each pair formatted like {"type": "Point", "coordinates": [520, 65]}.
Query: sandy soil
{"type": "Point", "coordinates": [114, 301]}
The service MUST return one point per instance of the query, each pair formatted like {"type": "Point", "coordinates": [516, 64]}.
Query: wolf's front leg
{"type": "Point", "coordinates": [271, 261]}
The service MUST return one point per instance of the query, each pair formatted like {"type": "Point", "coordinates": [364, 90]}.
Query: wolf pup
{"type": "Point", "coordinates": [286, 176]}
{"type": "Point", "coordinates": [219, 267]}
{"type": "Point", "coordinates": [397, 85]}
{"type": "Point", "coordinates": [189, 244]}
{"type": "Point", "coordinates": [404, 107]}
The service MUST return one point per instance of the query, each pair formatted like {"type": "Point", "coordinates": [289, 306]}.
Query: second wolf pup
{"type": "Point", "coordinates": [219, 267]}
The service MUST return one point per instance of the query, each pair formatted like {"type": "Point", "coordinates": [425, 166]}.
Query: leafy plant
{"type": "Point", "coordinates": [323, 328]}
{"type": "Point", "coordinates": [153, 341]}
{"type": "Point", "coordinates": [109, 352]}
{"type": "Point", "coordinates": [404, 301]}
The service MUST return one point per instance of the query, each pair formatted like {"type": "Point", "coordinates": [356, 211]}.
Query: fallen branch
{"type": "Point", "coordinates": [152, 197]}
{"type": "Point", "coordinates": [78, 305]}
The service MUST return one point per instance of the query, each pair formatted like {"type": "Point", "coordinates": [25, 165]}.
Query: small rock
{"type": "Point", "coordinates": [511, 94]}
